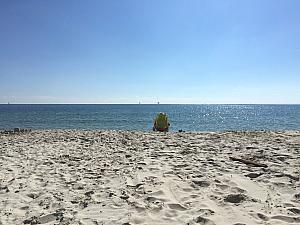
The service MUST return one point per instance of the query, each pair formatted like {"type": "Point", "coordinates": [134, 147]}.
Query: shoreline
{"type": "Point", "coordinates": [136, 177]}
{"type": "Point", "coordinates": [27, 129]}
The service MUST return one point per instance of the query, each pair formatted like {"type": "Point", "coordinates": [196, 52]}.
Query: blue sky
{"type": "Point", "coordinates": [126, 51]}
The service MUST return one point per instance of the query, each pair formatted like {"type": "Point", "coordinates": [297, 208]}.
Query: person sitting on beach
{"type": "Point", "coordinates": [161, 123]}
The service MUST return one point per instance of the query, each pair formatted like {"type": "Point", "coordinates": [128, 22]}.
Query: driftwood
{"type": "Point", "coordinates": [248, 162]}
{"type": "Point", "coordinates": [278, 174]}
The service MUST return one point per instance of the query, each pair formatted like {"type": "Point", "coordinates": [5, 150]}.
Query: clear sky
{"type": "Point", "coordinates": [172, 51]}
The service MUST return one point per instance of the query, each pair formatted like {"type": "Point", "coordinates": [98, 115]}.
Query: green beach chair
{"type": "Point", "coordinates": [161, 122]}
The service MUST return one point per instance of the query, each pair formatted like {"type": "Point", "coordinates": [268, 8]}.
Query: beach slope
{"type": "Point", "coordinates": [122, 177]}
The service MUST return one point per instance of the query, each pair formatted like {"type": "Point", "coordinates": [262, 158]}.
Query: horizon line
{"type": "Point", "coordinates": [9, 103]}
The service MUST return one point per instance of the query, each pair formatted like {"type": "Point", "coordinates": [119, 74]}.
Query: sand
{"type": "Point", "coordinates": [122, 177]}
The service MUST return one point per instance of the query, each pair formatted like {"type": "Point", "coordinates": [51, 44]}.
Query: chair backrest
{"type": "Point", "coordinates": [161, 121]}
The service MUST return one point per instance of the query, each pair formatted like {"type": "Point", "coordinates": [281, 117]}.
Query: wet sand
{"type": "Point", "coordinates": [121, 177]}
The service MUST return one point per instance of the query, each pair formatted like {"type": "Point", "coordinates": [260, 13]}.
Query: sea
{"type": "Point", "coordinates": [140, 117]}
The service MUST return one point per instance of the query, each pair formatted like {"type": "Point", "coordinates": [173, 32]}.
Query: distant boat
{"type": "Point", "coordinates": [8, 103]}
{"type": "Point", "coordinates": [139, 103]}
{"type": "Point", "coordinates": [157, 103]}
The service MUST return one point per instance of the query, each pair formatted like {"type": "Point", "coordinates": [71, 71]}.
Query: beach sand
{"type": "Point", "coordinates": [122, 177]}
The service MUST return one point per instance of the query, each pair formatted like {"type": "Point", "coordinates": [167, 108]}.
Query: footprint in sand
{"type": "Point", "coordinates": [297, 197]}
{"type": "Point", "coordinates": [288, 219]}
{"type": "Point", "coordinates": [202, 220]}
{"type": "Point", "coordinates": [57, 216]}
{"type": "Point", "coordinates": [253, 175]}
{"type": "Point", "coordinates": [235, 198]}
{"type": "Point", "coordinates": [33, 195]}
{"type": "Point", "coordinates": [176, 206]}
{"type": "Point", "coordinates": [3, 189]}
{"type": "Point", "coordinates": [262, 217]}
{"type": "Point", "coordinates": [200, 183]}
{"type": "Point", "coordinates": [223, 187]}
{"type": "Point", "coordinates": [294, 210]}
{"type": "Point", "coordinates": [206, 212]}
{"type": "Point", "coordinates": [237, 190]}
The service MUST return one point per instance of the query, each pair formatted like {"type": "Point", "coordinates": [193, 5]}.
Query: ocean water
{"type": "Point", "coordinates": [140, 117]}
